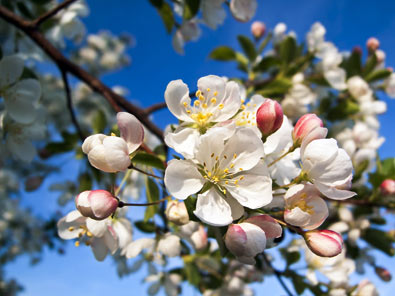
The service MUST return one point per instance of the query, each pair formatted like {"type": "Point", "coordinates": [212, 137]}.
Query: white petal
{"type": "Point", "coordinates": [254, 190]}
{"type": "Point", "coordinates": [170, 245]}
{"type": "Point", "coordinates": [176, 94]}
{"type": "Point", "coordinates": [99, 248]}
{"type": "Point", "coordinates": [231, 102]}
{"type": "Point", "coordinates": [318, 154]}
{"type": "Point", "coordinates": [336, 78]}
{"type": "Point", "coordinates": [183, 141]}
{"type": "Point", "coordinates": [91, 142]}
{"type": "Point", "coordinates": [237, 209]}
{"type": "Point", "coordinates": [97, 228]}
{"type": "Point", "coordinates": [340, 169]}
{"type": "Point", "coordinates": [111, 240]}
{"type": "Point", "coordinates": [137, 246]}
{"type": "Point", "coordinates": [21, 148]}
{"type": "Point", "coordinates": [117, 153]}
{"type": "Point", "coordinates": [244, 149]}
{"type": "Point", "coordinates": [11, 68]}
{"type": "Point", "coordinates": [74, 220]}
{"type": "Point", "coordinates": [124, 232]}
{"type": "Point", "coordinates": [20, 99]}
{"type": "Point", "coordinates": [131, 130]}
{"type": "Point", "coordinates": [182, 178]}
{"type": "Point", "coordinates": [97, 158]}
{"type": "Point", "coordinates": [243, 10]}
{"type": "Point", "coordinates": [210, 84]}
{"type": "Point", "coordinates": [333, 192]}
{"type": "Point", "coordinates": [212, 209]}
{"type": "Point", "coordinates": [279, 140]}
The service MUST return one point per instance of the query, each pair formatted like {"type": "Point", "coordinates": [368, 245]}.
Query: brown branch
{"type": "Point", "coordinates": [70, 105]}
{"type": "Point", "coordinates": [117, 102]}
{"type": "Point", "coordinates": [50, 13]}
{"type": "Point", "coordinates": [155, 107]}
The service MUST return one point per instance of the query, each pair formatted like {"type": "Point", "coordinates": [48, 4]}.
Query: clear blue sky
{"type": "Point", "coordinates": [154, 64]}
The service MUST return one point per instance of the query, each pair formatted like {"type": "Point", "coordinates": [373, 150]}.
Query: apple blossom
{"type": "Point", "coordinates": [258, 29]}
{"type": "Point", "coordinates": [110, 153]}
{"type": "Point", "coordinates": [304, 207]}
{"type": "Point", "coordinates": [96, 204]}
{"type": "Point", "coordinates": [177, 213]}
{"type": "Point", "coordinates": [304, 126]}
{"type": "Point", "coordinates": [390, 85]}
{"type": "Point", "coordinates": [230, 169]}
{"type": "Point", "coordinates": [359, 88]}
{"type": "Point", "coordinates": [372, 44]}
{"type": "Point", "coordinates": [213, 12]}
{"type": "Point", "coordinates": [269, 117]}
{"type": "Point", "coordinates": [387, 187]}
{"type": "Point", "coordinates": [324, 243]}
{"type": "Point", "coordinates": [365, 288]}
{"type": "Point", "coordinates": [328, 167]}
{"type": "Point", "coordinates": [247, 116]}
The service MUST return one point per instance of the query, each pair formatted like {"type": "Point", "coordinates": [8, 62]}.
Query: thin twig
{"type": "Point", "coordinates": [155, 107]}
{"type": "Point", "coordinates": [123, 204]}
{"type": "Point", "coordinates": [50, 13]}
{"type": "Point", "coordinates": [70, 105]}
{"type": "Point", "coordinates": [117, 102]}
{"type": "Point", "coordinates": [278, 275]}
{"type": "Point", "coordinates": [132, 167]}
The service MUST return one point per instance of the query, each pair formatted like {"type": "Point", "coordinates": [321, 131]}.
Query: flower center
{"type": "Point", "coordinates": [303, 205]}
{"type": "Point", "coordinates": [83, 236]}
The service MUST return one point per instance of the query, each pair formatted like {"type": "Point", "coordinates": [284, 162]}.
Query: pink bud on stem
{"type": "Point", "coordinates": [258, 29]}
{"type": "Point", "coordinates": [324, 243]}
{"type": "Point", "coordinates": [96, 204]}
{"type": "Point", "coordinates": [269, 117]}
{"type": "Point", "coordinates": [388, 187]}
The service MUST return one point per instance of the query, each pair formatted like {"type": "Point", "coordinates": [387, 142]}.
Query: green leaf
{"type": "Point", "coordinates": [290, 257]}
{"type": "Point", "coordinates": [386, 170]}
{"type": "Point", "coordinates": [85, 181]}
{"type": "Point", "coordinates": [371, 63]}
{"type": "Point", "coordinates": [191, 8]}
{"type": "Point", "coordinates": [68, 144]}
{"type": "Point", "coordinates": [192, 273]}
{"type": "Point", "coordinates": [152, 193]}
{"type": "Point", "coordinates": [298, 282]}
{"type": "Point", "coordinates": [148, 159]}
{"type": "Point", "coordinates": [147, 227]}
{"type": "Point", "coordinates": [343, 110]}
{"type": "Point", "coordinates": [288, 50]}
{"type": "Point", "coordinates": [160, 151]}
{"type": "Point", "coordinates": [266, 63]}
{"type": "Point", "coordinates": [277, 87]}
{"type": "Point", "coordinates": [378, 75]}
{"type": "Point", "coordinates": [223, 53]}
{"type": "Point", "coordinates": [28, 73]}
{"type": "Point", "coordinates": [165, 12]}
{"type": "Point", "coordinates": [248, 47]}
{"type": "Point", "coordinates": [190, 204]}
{"type": "Point", "coordinates": [353, 64]}
{"type": "Point", "coordinates": [99, 122]}
{"type": "Point", "coordinates": [265, 42]}
{"type": "Point", "coordinates": [380, 240]}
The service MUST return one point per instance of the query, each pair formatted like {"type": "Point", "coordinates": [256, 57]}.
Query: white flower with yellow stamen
{"type": "Point", "coordinates": [216, 101]}
{"type": "Point", "coordinates": [226, 172]}
{"type": "Point", "coordinates": [247, 116]}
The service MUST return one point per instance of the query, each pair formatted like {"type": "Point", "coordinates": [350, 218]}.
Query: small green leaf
{"type": "Point", "coordinates": [379, 239]}
{"type": "Point", "coordinates": [28, 73]}
{"type": "Point", "coordinates": [191, 8]}
{"type": "Point", "coordinates": [223, 53]}
{"type": "Point", "coordinates": [248, 47]}
{"type": "Point", "coordinates": [192, 273]}
{"type": "Point", "coordinates": [290, 257]}
{"type": "Point", "coordinates": [147, 159]}
{"type": "Point", "coordinates": [147, 227]}
{"type": "Point", "coordinates": [343, 110]}
{"type": "Point", "coordinates": [152, 193]}
{"type": "Point", "coordinates": [277, 87]}
{"type": "Point", "coordinates": [85, 181]}
{"type": "Point", "coordinates": [165, 12]}
{"type": "Point", "coordinates": [378, 75]}
{"type": "Point", "coordinates": [265, 42]}
{"type": "Point", "coordinates": [288, 50]}
{"type": "Point", "coordinates": [266, 63]}
{"type": "Point", "coordinates": [353, 64]}
{"type": "Point", "coordinates": [99, 122]}
{"type": "Point", "coordinates": [371, 63]}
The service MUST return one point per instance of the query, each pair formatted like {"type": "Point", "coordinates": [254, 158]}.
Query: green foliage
{"type": "Point", "coordinates": [276, 87]}
{"type": "Point", "coordinates": [85, 182]}
{"type": "Point", "coordinates": [266, 63]}
{"type": "Point", "coordinates": [223, 53]}
{"type": "Point", "coordinates": [191, 8]}
{"type": "Point", "coordinates": [145, 226]}
{"type": "Point", "coordinates": [248, 47]}
{"type": "Point", "coordinates": [99, 122]}
{"type": "Point", "coordinates": [385, 170]}
{"type": "Point", "coordinates": [69, 142]}
{"type": "Point", "coordinates": [152, 194]}
{"type": "Point", "coordinates": [288, 50]}
{"type": "Point", "coordinates": [378, 75]}
{"type": "Point", "coordinates": [166, 13]}
{"type": "Point", "coordinates": [151, 160]}
{"type": "Point", "coordinates": [380, 240]}
{"type": "Point", "coordinates": [290, 257]}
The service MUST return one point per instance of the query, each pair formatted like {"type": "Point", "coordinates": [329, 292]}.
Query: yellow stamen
{"type": "Point", "coordinates": [213, 100]}
{"type": "Point", "coordinates": [77, 243]}
{"type": "Point", "coordinates": [71, 228]}
{"type": "Point", "coordinates": [221, 106]}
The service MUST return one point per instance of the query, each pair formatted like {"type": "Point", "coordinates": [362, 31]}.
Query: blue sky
{"type": "Point", "coordinates": [154, 64]}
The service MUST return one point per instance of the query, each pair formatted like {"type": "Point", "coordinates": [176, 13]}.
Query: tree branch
{"type": "Point", "coordinates": [117, 102]}
{"type": "Point", "coordinates": [155, 107]}
{"type": "Point", "coordinates": [278, 275]}
{"type": "Point", "coordinates": [38, 21]}
{"type": "Point", "coordinates": [70, 105]}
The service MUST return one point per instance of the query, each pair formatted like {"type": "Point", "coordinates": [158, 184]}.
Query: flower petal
{"type": "Point", "coordinates": [11, 68]}
{"type": "Point", "coordinates": [131, 130]}
{"type": "Point", "coordinates": [117, 153]}
{"type": "Point", "coordinates": [170, 245]}
{"type": "Point", "coordinates": [176, 96]}
{"type": "Point", "coordinates": [97, 228]}
{"type": "Point", "coordinates": [99, 248]}
{"type": "Point", "coordinates": [183, 140]}
{"type": "Point", "coordinates": [212, 209]}
{"type": "Point", "coordinates": [231, 102]}
{"type": "Point", "coordinates": [333, 192]}
{"type": "Point", "coordinates": [210, 84]}
{"type": "Point", "coordinates": [182, 178]}
{"type": "Point", "coordinates": [69, 225]}
{"type": "Point", "coordinates": [137, 246]}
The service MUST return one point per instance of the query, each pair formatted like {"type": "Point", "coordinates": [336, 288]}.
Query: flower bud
{"type": "Point", "coordinates": [258, 29]}
{"type": "Point", "coordinates": [96, 204]}
{"type": "Point", "coordinates": [199, 238]}
{"type": "Point", "coordinates": [304, 126]}
{"type": "Point", "coordinates": [372, 44]}
{"type": "Point", "coordinates": [245, 241]}
{"type": "Point", "coordinates": [269, 117]}
{"type": "Point", "coordinates": [177, 213]}
{"type": "Point", "coordinates": [324, 243]}
{"type": "Point", "coordinates": [357, 50]}
{"type": "Point", "coordinates": [380, 55]}
{"type": "Point", "coordinates": [383, 273]}
{"type": "Point", "coordinates": [388, 187]}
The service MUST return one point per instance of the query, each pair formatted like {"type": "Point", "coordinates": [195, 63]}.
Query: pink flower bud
{"type": "Point", "coordinates": [177, 213]}
{"type": "Point", "coordinates": [357, 50]}
{"type": "Point", "coordinates": [199, 238]}
{"type": "Point", "coordinates": [383, 273]}
{"type": "Point", "coordinates": [96, 204]}
{"type": "Point", "coordinates": [372, 44]}
{"type": "Point", "coordinates": [324, 243]}
{"type": "Point", "coordinates": [269, 117]}
{"type": "Point", "coordinates": [258, 29]}
{"type": "Point", "coordinates": [388, 187]}
{"type": "Point", "coordinates": [245, 241]}
{"type": "Point", "coordinates": [304, 126]}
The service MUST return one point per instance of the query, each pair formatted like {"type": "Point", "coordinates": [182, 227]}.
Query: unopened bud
{"type": "Point", "coordinates": [258, 29]}
{"type": "Point", "coordinates": [388, 187]}
{"type": "Point", "coordinates": [372, 44]}
{"type": "Point", "coordinates": [324, 243]}
{"type": "Point", "coordinates": [96, 204]}
{"type": "Point", "coordinates": [177, 213]}
{"type": "Point", "coordinates": [33, 182]}
{"type": "Point", "coordinates": [383, 273]}
{"type": "Point", "coordinates": [245, 241]}
{"type": "Point", "coordinates": [199, 238]}
{"type": "Point", "coordinates": [269, 117]}
{"type": "Point", "coordinates": [380, 56]}
{"type": "Point", "coordinates": [304, 126]}
{"type": "Point", "coordinates": [357, 50]}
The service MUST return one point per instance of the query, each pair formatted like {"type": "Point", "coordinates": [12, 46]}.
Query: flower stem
{"type": "Point", "coordinates": [127, 174]}
{"type": "Point", "coordinates": [123, 204]}
{"type": "Point", "coordinates": [132, 167]}
{"type": "Point", "coordinates": [291, 149]}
